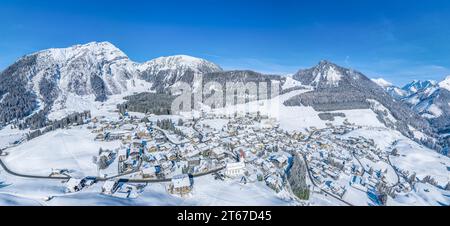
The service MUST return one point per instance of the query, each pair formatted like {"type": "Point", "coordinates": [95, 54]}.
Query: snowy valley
{"type": "Point", "coordinates": [330, 137]}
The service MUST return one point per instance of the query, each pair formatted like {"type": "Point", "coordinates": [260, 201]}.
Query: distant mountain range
{"type": "Point", "coordinates": [46, 81]}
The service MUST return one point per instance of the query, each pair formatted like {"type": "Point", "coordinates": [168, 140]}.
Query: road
{"type": "Point", "coordinates": [195, 129]}
{"type": "Point", "coordinates": [3, 165]}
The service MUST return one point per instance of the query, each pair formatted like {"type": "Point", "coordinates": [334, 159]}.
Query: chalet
{"type": "Point", "coordinates": [172, 156]}
{"type": "Point", "coordinates": [134, 153]}
{"type": "Point", "coordinates": [358, 182]}
{"type": "Point", "coordinates": [100, 137]}
{"type": "Point", "coordinates": [235, 169]}
{"type": "Point", "coordinates": [267, 166]}
{"type": "Point", "coordinates": [110, 187]}
{"type": "Point", "coordinates": [150, 172]}
{"type": "Point", "coordinates": [160, 157]}
{"type": "Point", "coordinates": [280, 160]}
{"type": "Point", "coordinates": [114, 136]}
{"type": "Point", "coordinates": [129, 191]}
{"type": "Point", "coordinates": [192, 153]}
{"type": "Point", "coordinates": [203, 147]}
{"type": "Point", "coordinates": [128, 127]}
{"type": "Point", "coordinates": [167, 166]}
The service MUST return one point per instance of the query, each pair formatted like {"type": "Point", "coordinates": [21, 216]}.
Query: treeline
{"type": "Point", "coordinates": [297, 178]}
{"type": "Point", "coordinates": [16, 101]}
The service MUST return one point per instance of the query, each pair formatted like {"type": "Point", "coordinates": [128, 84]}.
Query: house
{"type": "Point", "coordinates": [358, 182]}
{"type": "Point", "coordinates": [149, 172]}
{"type": "Point", "coordinates": [164, 147]}
{"type": "Point", "coordinates": [167, 167]}
{"type": "Point", "coordinates": [106, 158]}
{"type": "Point", "coordinates": [181, 184]}
{"type": "Point", "coordinates": [332, 174]}
{"type": "Point", "coordinates": [74, 185]}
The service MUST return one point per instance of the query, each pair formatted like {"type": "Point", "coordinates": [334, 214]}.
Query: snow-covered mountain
{"type": "Point", "coordinates": [50, 80]}
{"type": "Point", "coordinates": [164, 72]}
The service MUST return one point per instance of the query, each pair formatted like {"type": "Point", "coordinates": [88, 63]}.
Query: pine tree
{"type": "Point", "coordinates": [412, 178]}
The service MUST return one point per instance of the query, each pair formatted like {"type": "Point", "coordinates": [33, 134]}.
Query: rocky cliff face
{"type": "Point", "coordinates": [164, 72]}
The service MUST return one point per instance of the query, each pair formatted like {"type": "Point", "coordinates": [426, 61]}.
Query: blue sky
{"type": "Point", "coordinates": [398, 40]}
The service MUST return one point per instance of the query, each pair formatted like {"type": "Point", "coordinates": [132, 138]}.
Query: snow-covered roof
{"type": "Point", "coordinates": [181, 181]}
{"type": "Point", "coordinates": [109, 185]}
